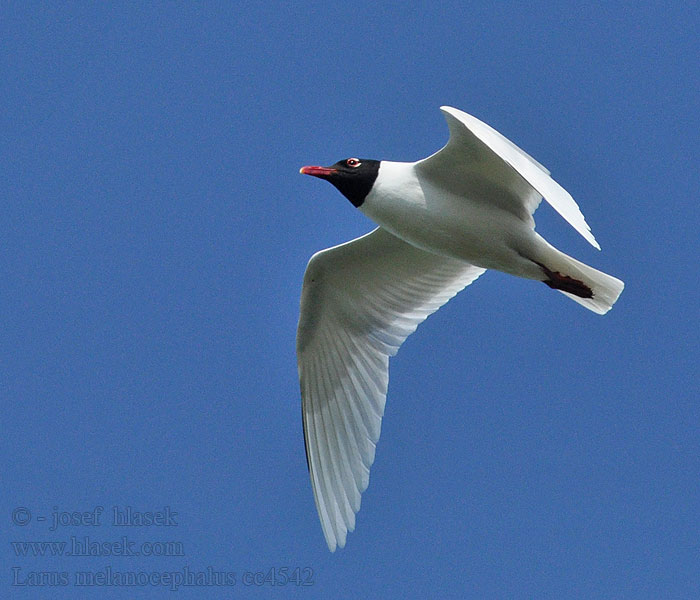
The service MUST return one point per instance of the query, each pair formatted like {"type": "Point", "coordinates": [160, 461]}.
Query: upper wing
{"type": "Point", "coordinates": [359, 302]}
{"type": "Point", "coordinates": [478, 157]}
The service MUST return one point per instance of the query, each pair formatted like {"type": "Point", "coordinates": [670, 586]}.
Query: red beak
{"type": "Point", "coordinates": [317, 171]}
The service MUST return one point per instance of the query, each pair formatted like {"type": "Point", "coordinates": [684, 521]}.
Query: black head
{"type": "Point", "coordinates": [354, 177]}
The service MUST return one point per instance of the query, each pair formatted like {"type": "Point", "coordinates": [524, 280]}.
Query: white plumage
{"type": "Point", "coordinates": [442, 222]}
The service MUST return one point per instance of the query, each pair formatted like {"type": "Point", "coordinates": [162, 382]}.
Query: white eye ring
{"type": "Point", "coordinates": [353, 162]}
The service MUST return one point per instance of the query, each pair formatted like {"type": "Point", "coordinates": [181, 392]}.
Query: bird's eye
{"type": "Point", "coordinates": [353, 162]}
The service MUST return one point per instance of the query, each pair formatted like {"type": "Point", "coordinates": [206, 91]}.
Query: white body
{"type": "Point", "coordinates": [440, 221]}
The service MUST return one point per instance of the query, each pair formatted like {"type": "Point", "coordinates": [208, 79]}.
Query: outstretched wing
{"type": "Point", "coordinates": [359, 302]}
{"type": "Point", "coordinates": [493, 167]}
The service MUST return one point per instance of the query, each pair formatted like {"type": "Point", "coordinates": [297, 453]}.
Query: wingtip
{"type": "Point", "coordinates": [333, 542]}
{"type": "Point", "coordinates": [592, 241]}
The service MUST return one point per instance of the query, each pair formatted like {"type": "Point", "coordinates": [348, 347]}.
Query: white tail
{"type": "Point", "coordinates": [606, 288]}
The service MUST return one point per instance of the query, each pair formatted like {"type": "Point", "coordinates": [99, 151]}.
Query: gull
{"type": "Point", "coordinates": [442, 221]}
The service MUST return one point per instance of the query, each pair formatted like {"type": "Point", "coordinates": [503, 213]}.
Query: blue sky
{"type": "Point", "coordinates": [153, 238]}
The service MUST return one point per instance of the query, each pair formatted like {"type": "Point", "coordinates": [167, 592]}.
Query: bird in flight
{"type": "Point", "coordinates": [442, 221]}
